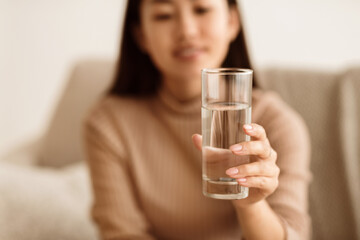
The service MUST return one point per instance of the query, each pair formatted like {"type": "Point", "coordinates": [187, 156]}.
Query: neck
{"type": "Point", "coordinates": [183, 89]}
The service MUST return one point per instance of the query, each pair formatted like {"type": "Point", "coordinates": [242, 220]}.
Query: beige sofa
{"type": "Point", "coordinates": [330, 104]}
{"type": "Point", "coordinates": [44, 186]}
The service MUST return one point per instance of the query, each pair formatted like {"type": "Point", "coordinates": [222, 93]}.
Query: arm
{"type": "Point", "coordinates": [277, 204]}
{"type": "Point", "coordinates": [257, 219]}
{"type": "Point", "coordinates": [285, 193]}
{"type": "Point", "coordinates": [115, 210]}
{"type": "Point", "coordinates": [290, 139]}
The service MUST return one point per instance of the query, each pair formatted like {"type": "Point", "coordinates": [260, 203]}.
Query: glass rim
{"type": "Point", "coordinates": [227, 71]}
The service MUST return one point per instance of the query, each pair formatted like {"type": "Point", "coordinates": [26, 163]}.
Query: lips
{"type": "Point", "coordinates": [188, 53]}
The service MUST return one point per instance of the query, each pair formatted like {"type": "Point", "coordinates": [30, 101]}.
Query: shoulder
{"type": "Point", "coordinates": [109, 121]}
{"type": "Point", "coordinates": [112, 110]}
{"type": "Point", "coordinates": [269, 106]}
{"type": "Point", "coordinates": [280, 120]}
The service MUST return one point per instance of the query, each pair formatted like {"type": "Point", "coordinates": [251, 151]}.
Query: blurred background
{"type": "Point", "coordinates": [42, 39]}
{"type": "Point", "coordinates": [44, 91]}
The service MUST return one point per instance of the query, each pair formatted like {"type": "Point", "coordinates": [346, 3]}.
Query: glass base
{"type": "Point", "coordinates": [224, 190]}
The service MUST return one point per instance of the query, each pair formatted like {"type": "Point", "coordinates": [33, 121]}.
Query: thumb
{"type": "Point", "coordinates": [197, 140]}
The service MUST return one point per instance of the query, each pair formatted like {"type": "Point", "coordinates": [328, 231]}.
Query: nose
{"type": "Point", "coordinates": [187, 26]}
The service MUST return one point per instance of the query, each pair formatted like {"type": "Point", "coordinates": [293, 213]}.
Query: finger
{"type": "Point", "coordinates": [265, 183]}
{"type": "Point", "coordinates": [197, 140]}
{"type": "Point", "coordinates": [261, 149]}
{"type": "Point", "coordinates": [256, 131]}
{"type": "Point", "coordinates": [259, 168]}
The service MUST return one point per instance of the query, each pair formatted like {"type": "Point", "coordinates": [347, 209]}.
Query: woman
{"type": "Point", "coordinates": [145, 170]}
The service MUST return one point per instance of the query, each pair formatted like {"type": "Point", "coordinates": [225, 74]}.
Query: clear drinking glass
{"type": "Point", "coordinates": [226, 107]}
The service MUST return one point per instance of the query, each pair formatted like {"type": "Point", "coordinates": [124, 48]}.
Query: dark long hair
{"type": "Point", "coordinates": [130, 80]}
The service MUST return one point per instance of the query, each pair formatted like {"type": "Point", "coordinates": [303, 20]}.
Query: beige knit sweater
{"type": "Point", "coordinates": [146, 173]}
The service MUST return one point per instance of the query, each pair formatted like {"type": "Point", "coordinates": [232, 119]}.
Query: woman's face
{"type": "Point", "coordinates": [184, 36]}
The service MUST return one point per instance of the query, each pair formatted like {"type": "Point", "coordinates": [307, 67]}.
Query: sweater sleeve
{"type": "Point", "coordinates": [115, 209]}
{"type": "Point", "coordinates": [289, 137]}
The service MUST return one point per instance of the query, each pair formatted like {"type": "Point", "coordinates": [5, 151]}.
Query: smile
{"type": "Point", "coordinates": [188, 53]}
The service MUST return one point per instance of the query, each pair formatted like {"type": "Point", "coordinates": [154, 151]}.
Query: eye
{"type": "Point", "coordinates": [162, 17]}
{"type": "Point", "coordinates": [202, 10]}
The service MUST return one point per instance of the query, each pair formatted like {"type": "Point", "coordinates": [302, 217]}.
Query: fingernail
{"type": "Point", "coordinates": [248, 127]}
{"type": "Point", "coordinates": [232, 171]}
{"type": "Point", "coordinates": [236, 148]}
{"type": "Point", "coordinates": [241, 180]}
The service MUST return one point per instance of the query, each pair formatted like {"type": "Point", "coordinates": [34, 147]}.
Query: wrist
{"type": "Point", "coordinates": [259, 215]}
{"type": "Point", "coordinates": [251, 207]}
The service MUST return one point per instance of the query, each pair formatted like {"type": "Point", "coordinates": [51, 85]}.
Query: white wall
{"type": "Point", "coordinates": [303, 33]}
{"type": "Point", "coordinates": [39, 42]}
{"type": "Point", "coordinates": [41, 39]}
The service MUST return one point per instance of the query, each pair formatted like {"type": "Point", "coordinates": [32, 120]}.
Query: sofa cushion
{"type": "Point", "coordinates": [62, 143]}
{"type": "Point", "coordinates": [43, 204]}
